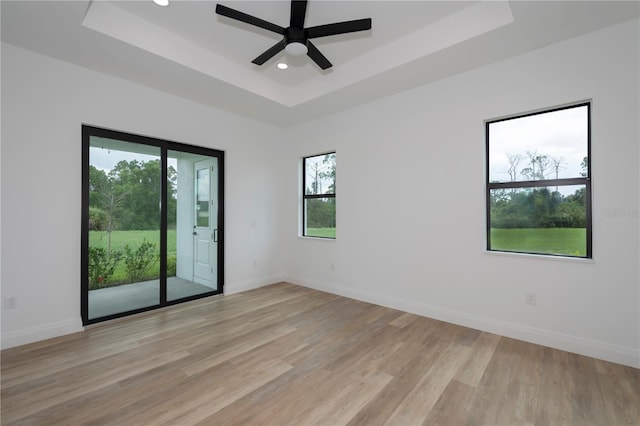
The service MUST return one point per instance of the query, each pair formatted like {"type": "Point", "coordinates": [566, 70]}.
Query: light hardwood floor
{"type": "Point", "coordinates": [287, 355]}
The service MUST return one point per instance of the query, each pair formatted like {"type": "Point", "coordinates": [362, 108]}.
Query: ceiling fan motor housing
{"type": "Point", "coordinates": [295, 35]}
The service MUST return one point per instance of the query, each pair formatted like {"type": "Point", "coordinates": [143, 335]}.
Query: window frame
{"type": "Point", "coordinates": [305, 196]}
{"type": "Point", "coordinates": [584, 180]}
{"type": "Point", "coordinates": [165, 146]}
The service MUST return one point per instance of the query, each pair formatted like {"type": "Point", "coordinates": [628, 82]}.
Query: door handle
{"type": "Point", "coordinates": [194, 233]}
{"type": "Point", "coordinates": [215, 235]}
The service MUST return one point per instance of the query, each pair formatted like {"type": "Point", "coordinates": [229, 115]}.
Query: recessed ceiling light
{"type": "Point", "coordinates": [161, 2]}
{"type": "Point", "coordinates": [283, 66]}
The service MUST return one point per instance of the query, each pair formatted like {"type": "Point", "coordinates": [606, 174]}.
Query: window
{"type": "Point", "coordinates": [319, 196]}
{"type": "Point", "coordinates": [539, 182]}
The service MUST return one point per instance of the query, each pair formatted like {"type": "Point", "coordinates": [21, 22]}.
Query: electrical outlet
{"type": "Point", "coordinates": [9, 302]}
{"type": "Point", "coordinates": [531, 299]}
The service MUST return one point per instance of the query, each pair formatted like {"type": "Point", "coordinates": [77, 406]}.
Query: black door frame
{"type": "Point", "coordinates": [87, 132]}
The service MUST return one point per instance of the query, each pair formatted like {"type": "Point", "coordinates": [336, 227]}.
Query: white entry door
{"type": "Point", "coordinates": [205, 223]}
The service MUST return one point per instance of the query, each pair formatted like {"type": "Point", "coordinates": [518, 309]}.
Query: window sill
{"type": "Point", "coordinates": [304, 237]}
{"type": "Point", "coordinates": [540, 256]}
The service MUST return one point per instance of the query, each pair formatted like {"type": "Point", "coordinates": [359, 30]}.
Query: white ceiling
{"type": "Point", "coordinates": [187, 50]}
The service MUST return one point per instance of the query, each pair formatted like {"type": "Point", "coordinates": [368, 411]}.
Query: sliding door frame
{"type": "Point", "coordinates": [165, 146]}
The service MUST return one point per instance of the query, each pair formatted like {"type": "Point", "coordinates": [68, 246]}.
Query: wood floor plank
{"type": "Point", "coordinates": [346, 401]}
{"type": "Point", "coordinates": [404, 320]}
{"type": "Point", "coordinates": [289, 355]}
{"type": "Point", "coordinates": [508, 391]}
{"type": "Point", "coordinates": [415, 359]}
{"type": "Point", "coordinates": [415, 408]}
{"type": "Point", "coordinates": [69, 385]}
{"type": "Point", "coordinates": [473, 370]}
{"type": "Point", "coordinates": [193, 368]}
{"type": "Point", "coordinates": [556, 389]}
{"type": "Point", "coordinates": [620, 388]}
{"type": "Point", "coordinates": [453, 405]}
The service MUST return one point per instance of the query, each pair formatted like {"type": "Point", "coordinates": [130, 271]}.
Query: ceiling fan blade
{"type": "Point", "coordinates": [317, 57]}
{"type": "Point", "coordinates": [248, 19]}
{"type": "Point", "coordinates": [339, 28]}
{"type": "Point", "coordinates": [270, 53]}
{"type": "Point", "coordinates": [298, 10]}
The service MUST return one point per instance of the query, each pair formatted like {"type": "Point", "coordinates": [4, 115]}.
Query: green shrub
{"type": "Point", "coordinates": [171, 266]}
{"type": "Point", "coordinates": [101, 266]}
{"type": "Point", "coordinates": [98, 219]}
{"type": "Point", "coordinates": [137, 262]}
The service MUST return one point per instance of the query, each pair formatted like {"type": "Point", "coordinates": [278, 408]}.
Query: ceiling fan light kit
{"type": "Point", "coordinates": [296, 38]}
{"type": "Point", "coordinates": [296, 48]}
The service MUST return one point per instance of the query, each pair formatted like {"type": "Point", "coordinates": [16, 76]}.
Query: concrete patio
{"type": "Point", "coordinates": [123, 298]}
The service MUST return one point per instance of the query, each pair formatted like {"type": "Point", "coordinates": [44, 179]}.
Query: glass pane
{"type": "Point", "coordinates": [551, 145]}
{"type": "Point", "coordinates": [320, 217]}
{"type": "Point", "coordinates": [320, 174]}
{"type": "Point", "coordinates": [124, 226]}
{"type": "Point", "coordinates": [191, 249]}
{"type": "Point", "coordinates": [545, 220]}
{"type": "Point", "coordinates": [202, 200]}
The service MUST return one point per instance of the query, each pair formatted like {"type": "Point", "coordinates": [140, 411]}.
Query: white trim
{"type": "Point", "coordinates": [41, 332]}
{"type": "Point", "coordinates": [539, 256]}
{"type": "Point", "coordinates": [305, 237]}
{"type": "Point", "coordinates": [232, 288]}
{"type": "Point", "coordinates": [579, 345]}
{"type": "Point", "coordinates": [541, 110]}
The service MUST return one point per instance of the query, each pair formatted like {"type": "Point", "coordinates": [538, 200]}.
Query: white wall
{"type": "Point", "coordinates": [44, 103]}
{"type": "Point", "coordinates": [411, 207]}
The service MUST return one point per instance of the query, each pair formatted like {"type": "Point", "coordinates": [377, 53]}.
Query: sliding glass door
{"type": "Point", "coordinates": [152, 223]}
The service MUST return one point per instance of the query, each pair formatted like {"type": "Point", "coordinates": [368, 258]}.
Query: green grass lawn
{"type": "Point", "coordinates": [134, 238]}
{"type": "Point", "coordinates": [560, 241]}
{"type": "Point", "coordinates": [321, 232]}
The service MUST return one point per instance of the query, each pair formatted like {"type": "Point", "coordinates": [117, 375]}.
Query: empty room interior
{"type": "Point", "coordinates": [320, 212]}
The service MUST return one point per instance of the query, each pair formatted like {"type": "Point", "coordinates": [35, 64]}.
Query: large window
{"type": "Point", "coordinates": [539, 182]}
{"type": "Point", "coordinates": [319, 196]}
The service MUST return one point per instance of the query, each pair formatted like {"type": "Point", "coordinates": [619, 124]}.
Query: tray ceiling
{"type": "Point", "coordinates": [187, 50]}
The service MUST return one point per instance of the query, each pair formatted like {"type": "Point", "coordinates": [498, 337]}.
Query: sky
{"type": "Point", "coordinates": [106, 159]}
{"type": "Point", "coordinates": [559, 134]}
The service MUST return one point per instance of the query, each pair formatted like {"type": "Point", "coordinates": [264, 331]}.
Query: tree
{"type": "Point", "coordinates": [537, 208]}
{"type": "Point", "coordinates": [130, 195]}
{"type": "Point", "coordinates": [538, 165]}
{"type": "Point", "coordinates": [172, 196]}
{"type": "Point", "coordinates": [584, 165]}
{"type": "Point", "coordinates": [105, 194]}
{"type": "Point", "coordinates": [556, 164]}
{"type": "Point", "coordinates": [141, 182]}
{"type": "Point", "coordinates": [329, 171]}
{"type": "Point", "coordinates": [514, 160]}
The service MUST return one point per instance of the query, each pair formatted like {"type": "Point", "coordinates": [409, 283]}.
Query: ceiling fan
{"type": "Point", "coordinates": [296, 38]}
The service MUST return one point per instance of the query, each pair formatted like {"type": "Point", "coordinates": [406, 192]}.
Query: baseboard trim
{"type": "Point", "coordinates": [40, 332]}
{"type": "Point", "coordinates": [592, 348]}
{"type": "Point", "coordinates": [232, 288]}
